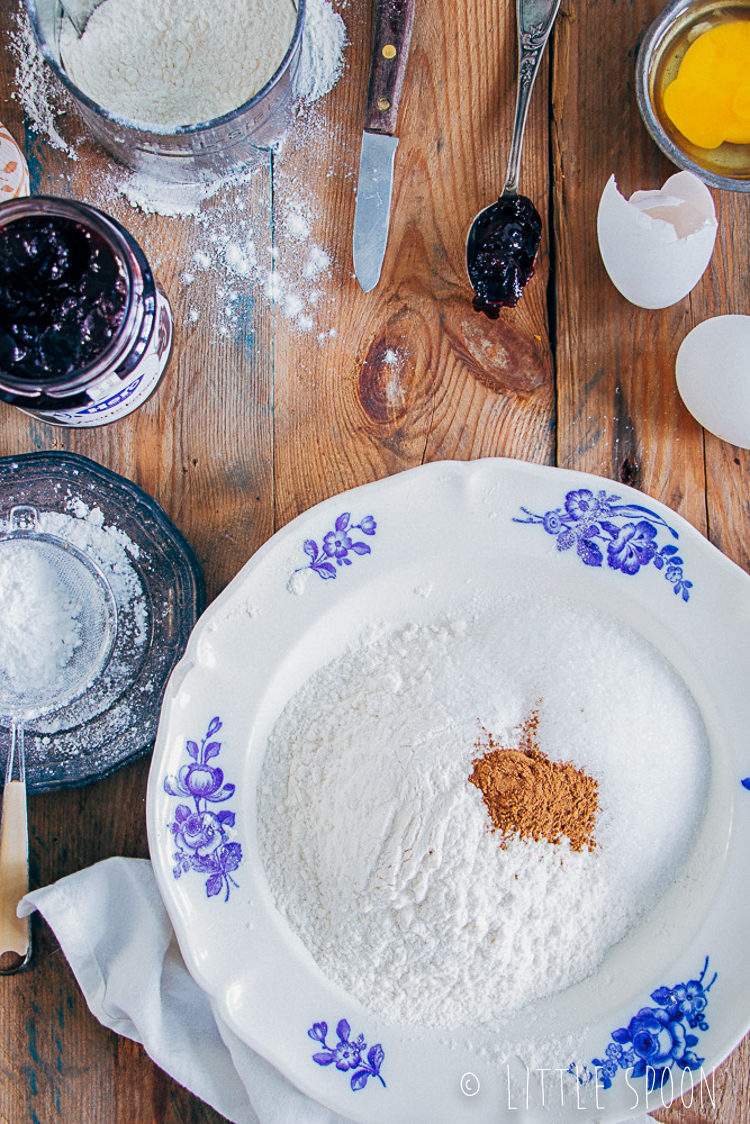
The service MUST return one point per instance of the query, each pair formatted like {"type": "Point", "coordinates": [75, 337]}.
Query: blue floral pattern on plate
{"type": "Point", "coordinates": [600, 524]}
{"type": "Point", "coordinates": [338, 544]}
{"type": "Point", "coordinates": [659, 1037]}
{"type": "Point", "coordinates": [200, 834]}
{"type": "Point", "coordinates": [347, 1054]}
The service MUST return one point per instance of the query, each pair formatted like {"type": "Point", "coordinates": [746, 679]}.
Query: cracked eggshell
{"type": "Point", "coordinates": [713, 377]}
{"type": "Point", "coordinates": [656, 245]}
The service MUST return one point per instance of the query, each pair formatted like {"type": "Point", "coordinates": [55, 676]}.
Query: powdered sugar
{"type": "Point", "coordinates": [378, 850]}
{"type": "Point", "coordinates": [40, 622]}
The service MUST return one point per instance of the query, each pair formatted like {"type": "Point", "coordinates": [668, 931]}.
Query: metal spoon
{"type": "Point", "coordinates": [504, 238]}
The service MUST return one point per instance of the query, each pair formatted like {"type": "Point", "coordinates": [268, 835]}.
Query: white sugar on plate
{"type": "Point", "coordinates": [378, 851]}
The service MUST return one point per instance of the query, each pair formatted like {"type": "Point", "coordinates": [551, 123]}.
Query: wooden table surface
{"type": "Point", "coordinates": [252, 425]}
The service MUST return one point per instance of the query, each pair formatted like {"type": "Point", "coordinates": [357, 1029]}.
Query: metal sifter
{"type": "Point", "coordinates": [24, 696]}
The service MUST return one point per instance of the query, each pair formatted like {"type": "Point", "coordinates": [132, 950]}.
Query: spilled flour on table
{"type": "Point", "coordinates": [234, 248]}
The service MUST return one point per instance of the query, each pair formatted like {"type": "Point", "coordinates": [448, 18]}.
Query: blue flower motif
{"type": "Point", "coordinates": [338, 544]}
{"type": "Point", "coordinates": [632, 546]}
{"type": "Point", "coordinates": [600, 525]}
{"type": "Point", "coordinates": [656, 1038]}
{"type": "Point", "coordinates": [583, 505]}
{"type": "Point", "coordinates": [347, 1054]}
{"type": "Point", "coordinates": [658, 1041]}
{"type": "Point", "coordinates": [200, 835]}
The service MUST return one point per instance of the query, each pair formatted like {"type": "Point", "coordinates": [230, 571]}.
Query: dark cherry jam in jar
{"type": "Point", "coordinates": [63, 296]}
{"type": "Point", "coordinates": [85, 333]}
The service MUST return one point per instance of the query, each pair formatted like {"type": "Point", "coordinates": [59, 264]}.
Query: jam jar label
{"type": "Point", "coordinates": [113, 398]}
{"type": "Point", "coordinates": [14, 172]}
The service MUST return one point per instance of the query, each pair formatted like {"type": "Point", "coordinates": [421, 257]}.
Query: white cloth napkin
{"type": "Point", "coordinates": [115, 932]}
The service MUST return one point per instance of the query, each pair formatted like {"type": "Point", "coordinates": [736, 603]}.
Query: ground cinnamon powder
{"type": "Point", "coordinates": [529, 795]}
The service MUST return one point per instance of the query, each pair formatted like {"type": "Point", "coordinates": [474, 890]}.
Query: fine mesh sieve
{"type": "Point", "coordinates": [27, 689]}
{"type": "Point", "coordinates": [38, 673]}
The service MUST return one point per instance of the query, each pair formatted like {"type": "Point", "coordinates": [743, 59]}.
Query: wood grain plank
{"type": "Point", "coordinates": [619, 413]}
{"type": "Point", "coordinates": [413, 374]}
{"type": "Point", "coordinates": [202, 446]}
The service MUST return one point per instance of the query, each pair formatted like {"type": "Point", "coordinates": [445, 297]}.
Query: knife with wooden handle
{"type": "Point", "coordinates": [391, 39]}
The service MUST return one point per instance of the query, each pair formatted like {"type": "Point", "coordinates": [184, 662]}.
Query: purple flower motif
{"type": "Point", "coordinates": [346, 1054]}
{"type": "Point", "coordinates": [590, 522]}
{"type": "Point", "coordinates": [581, 505]}
{"type": "Point", "coordinates": [201, 781]}
{"type": "Point", "coordinates": [200, 832]}
{"type": "Point", "coordinates": [337, 545]}
{"type": "Point", "coordinates": [200, 835]}
{"type": "Point", "coordinates": [632, 546]}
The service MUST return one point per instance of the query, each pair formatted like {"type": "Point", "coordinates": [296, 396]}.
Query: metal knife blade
{"type": "Point", "coordinates": [372, 214]}
{"type": "Point", "coordinates": [391, 39]}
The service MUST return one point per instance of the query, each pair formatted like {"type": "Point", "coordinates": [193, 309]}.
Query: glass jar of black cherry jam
{"type": "Point", "coordinates": [85, 332]}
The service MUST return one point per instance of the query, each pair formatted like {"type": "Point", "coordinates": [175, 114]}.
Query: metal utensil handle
{"type": "Point", "coordinates": [23, 519]}
{"type": "Point", "coordinates": [15, 932]}
{"type": "Point", "coordinates": [391, 39]}
{"type": "Point", "coordinates": [535, 19]}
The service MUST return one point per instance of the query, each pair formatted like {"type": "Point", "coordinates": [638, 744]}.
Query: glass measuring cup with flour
{"type": "Point", "coordinates": [59, 622]}
{"type": "Point", "coordinates": [182, 92]}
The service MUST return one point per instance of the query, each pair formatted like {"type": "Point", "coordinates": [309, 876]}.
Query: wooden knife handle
{"type": "Point", "coordinates": [14, 871]}
{"type": "Point", "coordinates": [391, 38]}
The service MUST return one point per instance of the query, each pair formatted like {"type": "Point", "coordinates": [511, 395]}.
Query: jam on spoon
{"type": "Point", "coordinates": [501, 253]}
{"type": "Point", "coordinates": [504, 238]}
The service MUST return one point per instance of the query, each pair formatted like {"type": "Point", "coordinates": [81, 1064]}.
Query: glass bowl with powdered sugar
{"type": "Point", "coordinates": [183, 93]}
{"type": "Point", "coordinates": [157, 591]}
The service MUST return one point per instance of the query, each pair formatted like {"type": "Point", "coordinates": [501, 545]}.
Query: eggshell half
{"type": "Point", "coordinates": [713, 377]}
{"type": "Point", "coordinates": [656, 245]}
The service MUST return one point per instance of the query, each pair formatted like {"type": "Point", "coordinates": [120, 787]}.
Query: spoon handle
{"type": "Point", "coordinates": [15, 933]}
{"type": "Point", "coordinates": [535, 19]}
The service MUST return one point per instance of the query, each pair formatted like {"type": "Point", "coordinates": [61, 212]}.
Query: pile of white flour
{"type": "Point", "coordinates": [378, 851]}
{"type": "Point", "coordinates": [169, 64]}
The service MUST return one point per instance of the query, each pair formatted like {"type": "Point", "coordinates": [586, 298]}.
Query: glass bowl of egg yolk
{"type": "Point", "coordinates": [693, 89]}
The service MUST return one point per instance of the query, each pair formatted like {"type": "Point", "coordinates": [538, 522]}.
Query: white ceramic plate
{"type": "Point", "coordinates": [674, 995]}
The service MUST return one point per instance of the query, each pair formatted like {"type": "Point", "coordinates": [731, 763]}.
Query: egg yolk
{"type": "Point", "coordinates": [709, 100]}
